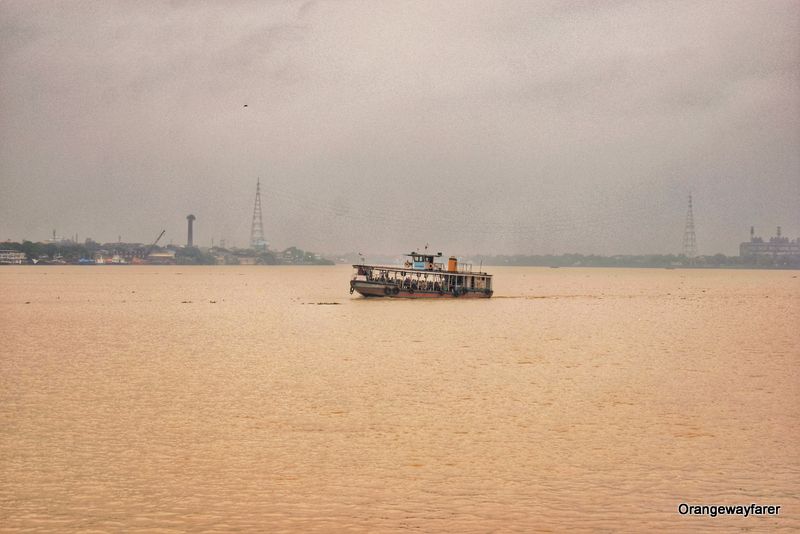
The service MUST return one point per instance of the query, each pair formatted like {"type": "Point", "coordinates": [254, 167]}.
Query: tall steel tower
{"type": "Point", "coordinates": [689, 239]}
{"type": "Point", "coordinates": [257, 241]}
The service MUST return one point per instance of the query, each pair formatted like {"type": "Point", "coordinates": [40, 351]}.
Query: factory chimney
{"type": "Point", "coordinates": [752, 233]}
{"type": "Point", "coordinates": [779, 231]}
{"type": "Point", "coordinates": [189, 240]}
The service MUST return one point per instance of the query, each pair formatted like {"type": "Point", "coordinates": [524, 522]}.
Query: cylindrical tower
{"type": "Point", "coordinates": [189, 238]}
{"type": "Point", "coordinates": [452, 264]}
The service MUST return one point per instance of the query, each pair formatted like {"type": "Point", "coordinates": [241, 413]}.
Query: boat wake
{"type": "Point", "coordinates": [536, 297]}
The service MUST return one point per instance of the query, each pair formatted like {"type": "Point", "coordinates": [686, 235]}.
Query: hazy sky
{"type": "Point", "coordinates": [497, 127]}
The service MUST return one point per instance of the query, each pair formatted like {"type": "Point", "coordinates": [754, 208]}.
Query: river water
{"type": "Point", "coordinates": [269, 399]}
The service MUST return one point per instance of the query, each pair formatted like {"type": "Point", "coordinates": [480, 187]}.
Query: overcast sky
{"type": "Point", "coordinates": [495, 127]}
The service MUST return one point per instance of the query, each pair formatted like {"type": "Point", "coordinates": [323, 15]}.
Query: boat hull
{"type": "Point", "coordinates": [377, 289]}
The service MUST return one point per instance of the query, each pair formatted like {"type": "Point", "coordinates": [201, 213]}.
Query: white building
{"type": "Point", "coordinates": [12, 257]}
{"type": "Point", "coordinates": [777, 246]}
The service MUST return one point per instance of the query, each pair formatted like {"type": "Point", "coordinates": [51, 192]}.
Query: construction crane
{"type": "Point", "coordinates": [151, 247]}
{"type": "Point", "coordinates": [143, 259]}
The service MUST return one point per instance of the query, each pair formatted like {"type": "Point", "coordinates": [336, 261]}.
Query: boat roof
{"type": "Point", "coordinates": [426, 253]}
{"type": "Point", "coordinates": [427, 271]}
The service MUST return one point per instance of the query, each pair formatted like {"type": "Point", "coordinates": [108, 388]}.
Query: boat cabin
{"type": "Point", "coordinates": [424, 262]}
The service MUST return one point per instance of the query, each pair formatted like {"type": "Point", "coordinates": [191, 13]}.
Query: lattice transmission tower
{"type": "Point", "coordinates": [689, 238]}
{"type": "Point", "coordinates": [257, 241]}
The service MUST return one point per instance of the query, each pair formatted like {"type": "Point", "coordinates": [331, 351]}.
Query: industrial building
{"type": "Point", "coordinates": [777, 246]}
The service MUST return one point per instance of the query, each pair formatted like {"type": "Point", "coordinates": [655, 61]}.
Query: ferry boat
{"type": "Point", "coordinates": [421, 277]}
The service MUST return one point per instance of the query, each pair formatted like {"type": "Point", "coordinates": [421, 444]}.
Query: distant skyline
{"type": "Point", "coordinates": [495, 128]}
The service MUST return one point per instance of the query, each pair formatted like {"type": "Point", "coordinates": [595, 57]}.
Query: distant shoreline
{"type": "Point", "coordinates": [649, 261]}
